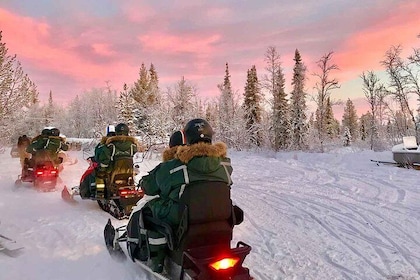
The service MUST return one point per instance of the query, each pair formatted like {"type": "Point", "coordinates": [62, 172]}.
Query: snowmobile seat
{"type": "Point", "coordinates": [207, 219]}
{"type": "Point", "coordinates": [122, 171]}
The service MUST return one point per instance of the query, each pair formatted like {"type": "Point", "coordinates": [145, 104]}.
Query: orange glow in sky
{"type": "Point", "coordinates": [72, 48]}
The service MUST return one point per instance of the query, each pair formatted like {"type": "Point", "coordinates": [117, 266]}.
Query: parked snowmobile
{"type": "Point", "coordinates": [116, 193]}
{"type": "Point", "coordinates": [199, 248]}
{"type": "Point", "coordinates": [41, 170]}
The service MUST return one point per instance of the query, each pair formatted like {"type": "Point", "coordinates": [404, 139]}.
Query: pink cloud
{"type": "Point", "coordinates": [365, 49]}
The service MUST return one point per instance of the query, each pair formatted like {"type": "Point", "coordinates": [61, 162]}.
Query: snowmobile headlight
{"type": "Point", "coordinates": [100, 186]}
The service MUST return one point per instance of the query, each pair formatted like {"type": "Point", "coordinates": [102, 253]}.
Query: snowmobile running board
{"type": "Point", "coordinates": [144, 266]}
{"type": "Point", "coordinates": [398, 164]}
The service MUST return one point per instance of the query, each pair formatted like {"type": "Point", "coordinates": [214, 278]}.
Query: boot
{"type": "Point", "coordinates": [157, 260]}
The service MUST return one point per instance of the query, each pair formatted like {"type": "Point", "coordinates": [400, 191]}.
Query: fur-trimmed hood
{"type": "Point", "coordinates": [103, 139]}
{"type": "Point", "coordinates": [121, 138]}
{"type": "Point", "coordinates": [169, 153]}
{"type": "Point", "coordinates": [186, 153]}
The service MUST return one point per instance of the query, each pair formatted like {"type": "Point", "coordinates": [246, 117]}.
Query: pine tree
{"type": "Point", "coordinates": [252, 106]}
{"type": "Point", "coordinates": [183, 102]}
{"type": "Point", "coordinates": [126, 109]}
{"type": "Point", "coordinates": [141, 87]}
{"type": "Point", "coordinates": [226, 109]}
{"type": "Point", "coordinates": [347, 137]}
{"type": "Point", "coordinates": [153, 87]}
{"type": "Point", "coordinates": [299, 126]}
{"type": "Point", "coordinates": [349, 119]}
{"type": "Point", "coordinates": [274, 82]}
{"type": "Point", "coordinates": [49, 111]}
{"type": "Point", "coordinates": [331, 124]}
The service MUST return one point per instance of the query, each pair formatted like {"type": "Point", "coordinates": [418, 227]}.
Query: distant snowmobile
{"type": "Point", "coordinates": [41, 171]}
{"type": "Point", "coordinates": [115, 194]}
{"type": "Point", "coordinates": [199, 248]}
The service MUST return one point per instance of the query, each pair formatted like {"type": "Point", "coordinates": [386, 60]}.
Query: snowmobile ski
{"type": "Point", "coordinates": [112, 240]}
{"type": "Point", "coordinates": [398, 164]}
{"type": "Point", "coordinates": [68, 196]}
{"type": "Point", "coordinates": [9, 246]}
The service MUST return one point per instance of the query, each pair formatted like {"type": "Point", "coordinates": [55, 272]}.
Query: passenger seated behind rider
{"type": "Point", "coordinates": [22, 144]}
{"type": "Point", "coordinates": [87, 182]}
{"type": "Point", "coordinates": [55, 144]}
{"type": "Point", "coordinates": [202, 161]}
{"type": "Point", "coordinates": [119, 146]}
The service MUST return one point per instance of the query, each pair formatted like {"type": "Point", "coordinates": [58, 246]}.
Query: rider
{"type": "Point", "coordinates": [55, 144]}
{"type": "Point", "coordinates": [133, 231]}
{"type": "Point", "coordinates": [88, 178]}
{"type": "Point", "coordinates": [199, 160]}
{"type": "Point", "coordinates": [118, 146]}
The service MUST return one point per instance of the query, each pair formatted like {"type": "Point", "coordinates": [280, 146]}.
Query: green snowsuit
{"type": "Point", "coordinates": [46, 148]}
{"type": "Point", "coordinates": [198, 162]}
{"type": "Point", "coordinates": [115, 147]}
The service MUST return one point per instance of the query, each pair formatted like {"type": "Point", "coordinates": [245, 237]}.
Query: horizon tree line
{"type": "Point", "coordinates": [264, 117]}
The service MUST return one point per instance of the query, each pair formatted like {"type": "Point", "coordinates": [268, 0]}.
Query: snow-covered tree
{"type": "Point", "coordinates": [253, 107]}
{"type": "Point", "coordinates": [324, 87]}
{"type": "Point", "coordinates": [183, 102]}
{"type": "Point", "coordinates": [332, 126]}
{"type": "Point", "coordinates": [17, 91]}
{"type": "Point", "coordinates": [274, 83]}
{"type": "Point", "coordinates": [226, 109]}
{"type": "Point", "coordinates": [126, 109]}
{"type": "Point", "coordinates": [371, 88]}
{"type": "Point", "coordinates": [298, 118]}
{"type": "Point", "coordinates": [347, 137]}
{"type": "Point", "coordinates": [349, 119]}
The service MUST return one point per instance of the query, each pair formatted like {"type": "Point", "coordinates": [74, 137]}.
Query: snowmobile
{"type": "Point", "coordinates": [41, 170]}
{"type": "Point", "coordinates": [199, 248]}
{"type": "Point", "coordinates": [115, 193]}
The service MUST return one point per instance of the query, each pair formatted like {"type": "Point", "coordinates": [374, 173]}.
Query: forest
{"type": "Point", "coordinates": [262, 115]}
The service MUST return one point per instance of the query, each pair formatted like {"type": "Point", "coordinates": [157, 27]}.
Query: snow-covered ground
{"type": "Point", "coordinates": [335, 215]}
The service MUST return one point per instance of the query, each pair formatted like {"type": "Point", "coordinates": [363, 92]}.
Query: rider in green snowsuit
{"type": "Point", "coordinates": [47, 145]}
{"type": "Point", "coordinates": [118, 146]}
{"type": "Point", "coordinates": [200, 160]}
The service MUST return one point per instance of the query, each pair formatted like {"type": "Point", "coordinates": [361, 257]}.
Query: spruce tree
{"type": "Point", "coordinates": [349, 119]}
{"type": "Point", "coordinates": [298, 118]}
{"type": "Point", "coordinates": [274, 83]}
{"type": "Point", "coordinates": [126, 109]}
{"type": "Point", "coordinates": [252, 107]}
{"type": "Point", "coordinates": [226, 109]}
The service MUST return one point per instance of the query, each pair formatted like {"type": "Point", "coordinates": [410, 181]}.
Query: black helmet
{"type": "Point", "coordinates": [46, 132]}
{"type": "Point", "coordinates": [122, 129]}
{"type": "Point", "coordinates": [55, 131]}
{"type": "Point", "coordinates": [198, 130]}
{"type": "Point", "coordinates": [177, 139]}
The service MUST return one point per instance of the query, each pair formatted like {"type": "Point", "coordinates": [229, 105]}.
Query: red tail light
{"type": "Point", "coordinates": [53, 171]}
{"type": "Point", "coordinates": [225, 263]}
{"type": "Point", "coordinates": [125, 193]}
{"type": "Point", "coordinates": [39, 172]}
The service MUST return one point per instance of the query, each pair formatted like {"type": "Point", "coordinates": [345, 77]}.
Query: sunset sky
{"type": "Point", "coordinates": [69, 47]}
